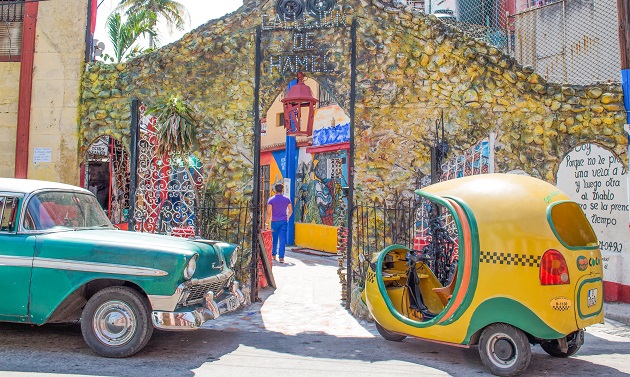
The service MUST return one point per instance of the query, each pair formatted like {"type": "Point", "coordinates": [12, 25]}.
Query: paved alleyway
{"type": "Point", "coordinates": [300, 328]}
{"type": "Point", "coordinates": [307, 300]}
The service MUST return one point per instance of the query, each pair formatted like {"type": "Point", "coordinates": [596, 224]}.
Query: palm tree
{"type": "Point", "coordinates": [173, 12]}
{"type": "Point", "coordinates": [124, 33]}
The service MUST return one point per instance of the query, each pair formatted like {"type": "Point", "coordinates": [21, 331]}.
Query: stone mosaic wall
{"type": "Point", "coordinates": [410, 69]}
{"type": "Point", "coordinates": [212, 68]}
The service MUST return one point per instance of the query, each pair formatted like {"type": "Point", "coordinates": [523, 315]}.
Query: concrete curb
{"type": "Point", "coordinates": [617, 311]}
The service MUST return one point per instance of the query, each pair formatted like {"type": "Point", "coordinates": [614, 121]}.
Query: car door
{"type": "Point", "coordinates": [16, 261]}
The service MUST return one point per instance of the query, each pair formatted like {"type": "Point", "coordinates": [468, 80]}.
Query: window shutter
{"type": "Point", "coordinates": [11, 17]}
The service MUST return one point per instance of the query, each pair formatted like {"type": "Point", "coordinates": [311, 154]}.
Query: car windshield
{"type": "Point", "coordinates": [64, 210]}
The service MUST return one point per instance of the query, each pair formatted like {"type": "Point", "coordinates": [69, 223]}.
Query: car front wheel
{"type": "Point", "coordinates": [504, 349]}
{"type": "Point", "coordinates": [116, 322]}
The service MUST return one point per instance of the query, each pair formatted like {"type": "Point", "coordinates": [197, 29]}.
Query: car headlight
{"type": "Point", "coordinates": [234, 258]}
{"type": "Point", "coordinates": [189, 271]}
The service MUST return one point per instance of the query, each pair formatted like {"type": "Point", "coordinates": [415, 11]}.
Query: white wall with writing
{"type": "Point", "coordinates": [595, 178]}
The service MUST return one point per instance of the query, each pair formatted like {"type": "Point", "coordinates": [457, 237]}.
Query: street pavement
{"type": "Point", "coordinates": [306, 300]}
{"type": "Point", "coordinates": [301, 328]}
{"type": "Point", "coordinates": [617, 311]}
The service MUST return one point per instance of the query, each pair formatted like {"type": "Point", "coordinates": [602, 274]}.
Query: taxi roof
{"type": "Point", "coordinates": [26, 186]}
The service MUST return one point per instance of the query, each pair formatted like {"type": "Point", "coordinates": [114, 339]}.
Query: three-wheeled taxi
{"type": "Point", "coordinates": [518, 265]}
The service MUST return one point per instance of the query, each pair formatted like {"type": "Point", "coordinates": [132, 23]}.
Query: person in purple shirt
{"type": "Point", "coordinates": [279, 209]}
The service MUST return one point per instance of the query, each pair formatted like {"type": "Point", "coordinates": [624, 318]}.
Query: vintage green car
{"type": "Point", "coordinates": [61, 260]}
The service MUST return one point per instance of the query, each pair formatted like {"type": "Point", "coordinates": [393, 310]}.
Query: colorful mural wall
{"type": "Point", "coordinates": [319, 196]}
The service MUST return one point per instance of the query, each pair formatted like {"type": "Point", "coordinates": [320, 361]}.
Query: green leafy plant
{"type": "Point", "coordinates": [177, 126]}
{"type": "Point", "coordinates": [124, 33]}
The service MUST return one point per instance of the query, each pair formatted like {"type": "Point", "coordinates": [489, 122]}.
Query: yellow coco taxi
{"type": "Point", "coordinates": [519, 265]}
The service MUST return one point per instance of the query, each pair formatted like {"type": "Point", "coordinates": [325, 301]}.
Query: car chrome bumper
{"type": "Point", "coordinates": [193, 319]}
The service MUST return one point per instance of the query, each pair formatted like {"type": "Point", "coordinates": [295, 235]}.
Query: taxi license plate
{"type": "Point", "coordinates": [592, 297]}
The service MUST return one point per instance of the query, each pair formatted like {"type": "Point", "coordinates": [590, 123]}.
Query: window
{"type": "Point", "coordinates": [11, 18]}
{"type": "Point", "coordinates": [571, 226]}
{"type": "Point", "coordinates": [8, 212]}
{"type": "Point", "coordinates": [280, 120]}
{"type": "Point", "coordinates": [64, 210]}
{"type": "Point", "coordinates": [325, 98]}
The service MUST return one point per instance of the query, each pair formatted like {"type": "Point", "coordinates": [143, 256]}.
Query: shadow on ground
{"type": "Point", "coordinates": [60, 349]}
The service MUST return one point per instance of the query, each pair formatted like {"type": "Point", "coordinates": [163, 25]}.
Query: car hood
{"type": "Point", "coordinates": [160, 252]}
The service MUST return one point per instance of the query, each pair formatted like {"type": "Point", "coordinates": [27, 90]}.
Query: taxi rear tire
{"type": "Point", "coordinates": [388, 335]}
{"type": "Point", "coordinates": [552, 347]}
{"type": "Point", "coordinates": [116, 322]}
{"type": "Point", "coordinates": [504, 349]}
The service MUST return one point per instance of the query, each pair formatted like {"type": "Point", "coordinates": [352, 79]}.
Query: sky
{"type": "Point", "coordinates": [201, 11]}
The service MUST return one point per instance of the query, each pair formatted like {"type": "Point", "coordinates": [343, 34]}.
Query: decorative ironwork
{"type": "Point", "coordinates": [440, 249]}
{"type": "Point", "coordinates": [12, 11]}
{"type": "Point", "coordinates": [438, 151]}
{"type": "Point", "coordinates": [165, 196]}
{"type": "Point", "coordinates": [318, 7]}
{"type": "Point", "coordinates": [290, 9]}
{"type": "Point", "coordinates": [112, 190]}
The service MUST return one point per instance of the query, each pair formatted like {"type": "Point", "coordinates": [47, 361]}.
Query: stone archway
{"type": "Point", "coordinates": [320, 203]}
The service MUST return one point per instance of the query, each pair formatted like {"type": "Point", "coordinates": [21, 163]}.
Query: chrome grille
{"type": "Point", "coordinates": [196, 292]}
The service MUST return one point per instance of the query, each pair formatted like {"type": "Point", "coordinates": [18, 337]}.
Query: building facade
{"type": "Point", "coordinates": [42, 56]}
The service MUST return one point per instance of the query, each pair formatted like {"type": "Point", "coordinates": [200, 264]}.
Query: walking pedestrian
{"type": "Point", "coordinates": [279, 209]}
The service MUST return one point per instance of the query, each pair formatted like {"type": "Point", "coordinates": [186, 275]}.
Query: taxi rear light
{"type": "Point", "coordinates": [553, 269]}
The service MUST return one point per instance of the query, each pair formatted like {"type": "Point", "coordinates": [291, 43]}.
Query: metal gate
{"type": "Point", "coordinates": [166, 185]}
{"type": "Point", "coordinates": [106, 174]}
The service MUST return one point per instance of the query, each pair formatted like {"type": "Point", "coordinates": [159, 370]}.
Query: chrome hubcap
{"type": "Point", "coordinates": [501, 350]}
{"type": "Point", "coordinates": [114, 323]}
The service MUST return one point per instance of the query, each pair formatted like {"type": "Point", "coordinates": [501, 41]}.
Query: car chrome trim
{"type": "Point", "coordinates": [192, 320]}
{"type": "Point", "coordinates": [180, 296]}
{"type": "Point", "coordinates": [222, 276]}
{"type": "Point", "coordinates": [166, 303]}
{"type": "Point", "coordinates": [107, 268]}
{"type": "Point", "coordinates": [11, 261]}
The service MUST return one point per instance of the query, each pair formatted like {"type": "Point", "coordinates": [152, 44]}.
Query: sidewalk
{"type": "Point", "coordinates": [308, 300]}
{"type": "Point", "coordinates": [619, 312]}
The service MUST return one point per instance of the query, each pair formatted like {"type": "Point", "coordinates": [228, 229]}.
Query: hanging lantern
{"type": "Point", "coordinates": [299, 103]}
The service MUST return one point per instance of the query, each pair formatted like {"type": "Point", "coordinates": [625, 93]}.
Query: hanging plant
{"type": "Point", "coordinates": [176, 126]}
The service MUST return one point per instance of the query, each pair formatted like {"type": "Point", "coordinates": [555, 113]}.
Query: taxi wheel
{"type": "Point", "coordinates": [387, 335]}
{"type": "Point", "coordinates": [504, 349]}
{"type": "Point", "coordinates": [116, 322]}
{"type": "Point", "coordinates": [575, 341]}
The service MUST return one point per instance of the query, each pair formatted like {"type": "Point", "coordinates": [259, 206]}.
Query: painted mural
{"type": "Point", "coordinates": [276, 162]}
{"type": "Point", "coordinates": [319, 196]}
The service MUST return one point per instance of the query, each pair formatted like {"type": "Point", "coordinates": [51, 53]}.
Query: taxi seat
{"type": "Point", "coordinates": [445, 293]}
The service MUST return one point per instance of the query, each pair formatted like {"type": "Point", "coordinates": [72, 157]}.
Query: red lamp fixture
{"type": "Point", "coordinates": [299, 98]}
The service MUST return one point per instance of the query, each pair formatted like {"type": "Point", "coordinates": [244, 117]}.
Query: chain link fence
{"type": "Point", "coordinates": [565, 41]}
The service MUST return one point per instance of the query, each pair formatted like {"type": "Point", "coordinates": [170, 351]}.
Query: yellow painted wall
{"type": "Point", "coordinates": [316, 237]}
{"type": "Point", "coordinates": [9, 90]}
{"type": "Point", "coordinates": [58, 67]}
